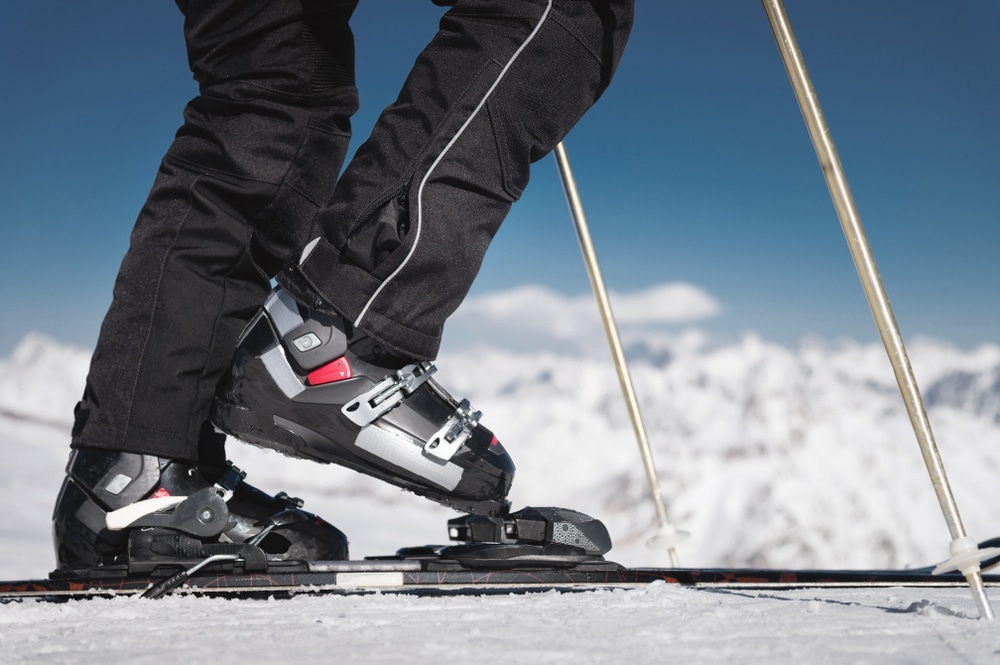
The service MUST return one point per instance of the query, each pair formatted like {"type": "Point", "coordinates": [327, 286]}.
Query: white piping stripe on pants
{"type": "Point", "coordinates": [458, 134]}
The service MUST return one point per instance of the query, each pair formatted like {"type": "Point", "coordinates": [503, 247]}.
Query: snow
{"type": "Point", "coordinates": [654, 624]}
{"type": "Point", "coordinates": [769, 455]}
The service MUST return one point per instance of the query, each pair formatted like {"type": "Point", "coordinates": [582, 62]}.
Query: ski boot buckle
{"type": "Point", "coordinates": [387, 393]}
{"type": "Point", "coordinates": [449, 439]}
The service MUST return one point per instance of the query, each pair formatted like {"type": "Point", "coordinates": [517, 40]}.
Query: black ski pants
{"type": "Point", "coordinates": [251, 179]}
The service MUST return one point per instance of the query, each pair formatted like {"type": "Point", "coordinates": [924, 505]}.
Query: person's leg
{"type": "Point", "coordinates": [259, 152]}
{"type": "Point", "coordinates": [332, 369]}
{"type": "Point", "coordinates": [498, 87]}
{"type": "Point", "coordinates": [257, 156]}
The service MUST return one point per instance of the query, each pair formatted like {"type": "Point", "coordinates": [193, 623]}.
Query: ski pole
{"type": "Point", "coordinates": [667, 536]}
{"type": "Point", "coordinates": [965, 553]}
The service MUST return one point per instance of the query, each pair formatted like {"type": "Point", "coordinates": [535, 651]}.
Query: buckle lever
{"type": "Point", "coordinates": [455, 432]}
{"type": "Point", "coordinates": [387, 393]}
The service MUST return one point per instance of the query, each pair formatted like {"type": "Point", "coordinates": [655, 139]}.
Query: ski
{"type": "Point", "coordinates": [442, 577]}
{"type": "Point", "coordinates": [173, 550]}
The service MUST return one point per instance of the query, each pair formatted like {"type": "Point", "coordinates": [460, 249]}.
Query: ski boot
{"type": "Point", "coordinates": [304, 383]}
{"type": "Point", "coordinates": [124, 512]}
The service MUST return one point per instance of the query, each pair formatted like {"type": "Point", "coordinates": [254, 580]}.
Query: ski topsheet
{"type": "Point", "coordinates": [436, 577]}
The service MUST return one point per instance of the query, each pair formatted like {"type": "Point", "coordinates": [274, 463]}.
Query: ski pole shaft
{"type": "Point", "coordinates": [611, 328]}
{"type": "Point", "coordinates": [875, 292]}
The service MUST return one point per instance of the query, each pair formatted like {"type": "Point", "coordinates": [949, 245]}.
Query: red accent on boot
{"type": "Point", "coordinates": [162, 492]}
{"type": "Point", "coordinates": [338, 370]}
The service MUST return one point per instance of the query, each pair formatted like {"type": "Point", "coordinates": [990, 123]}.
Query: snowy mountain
{"type": "Point", "coordinates": [768, 455]}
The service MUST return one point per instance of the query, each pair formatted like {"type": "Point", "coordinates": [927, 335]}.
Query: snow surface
{"type": "Point", "coordinates": [768, 455]}
{"type": "Point", "coordinates": [656, 624]}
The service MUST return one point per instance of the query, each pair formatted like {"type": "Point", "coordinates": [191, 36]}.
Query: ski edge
{"type": "Point", "coordinates": [405, 579]}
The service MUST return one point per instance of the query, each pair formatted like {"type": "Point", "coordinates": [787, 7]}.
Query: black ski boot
{"type": "Point", "coordinates": [305, 384]}
{"type": "Point", "coordinates": [140, 513]}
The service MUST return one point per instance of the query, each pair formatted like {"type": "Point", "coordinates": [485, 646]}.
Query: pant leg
{"type": "Point", "coordinates": [233, 201]}
{"type": "Point", "coordinates": [499, 86]}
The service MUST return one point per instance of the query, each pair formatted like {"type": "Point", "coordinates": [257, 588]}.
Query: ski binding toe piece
{"type": "Point", "coordinates": [545, 537]}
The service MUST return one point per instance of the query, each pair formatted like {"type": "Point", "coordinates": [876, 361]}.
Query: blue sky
{"type": "Point", "coordinates": [695, 166]}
